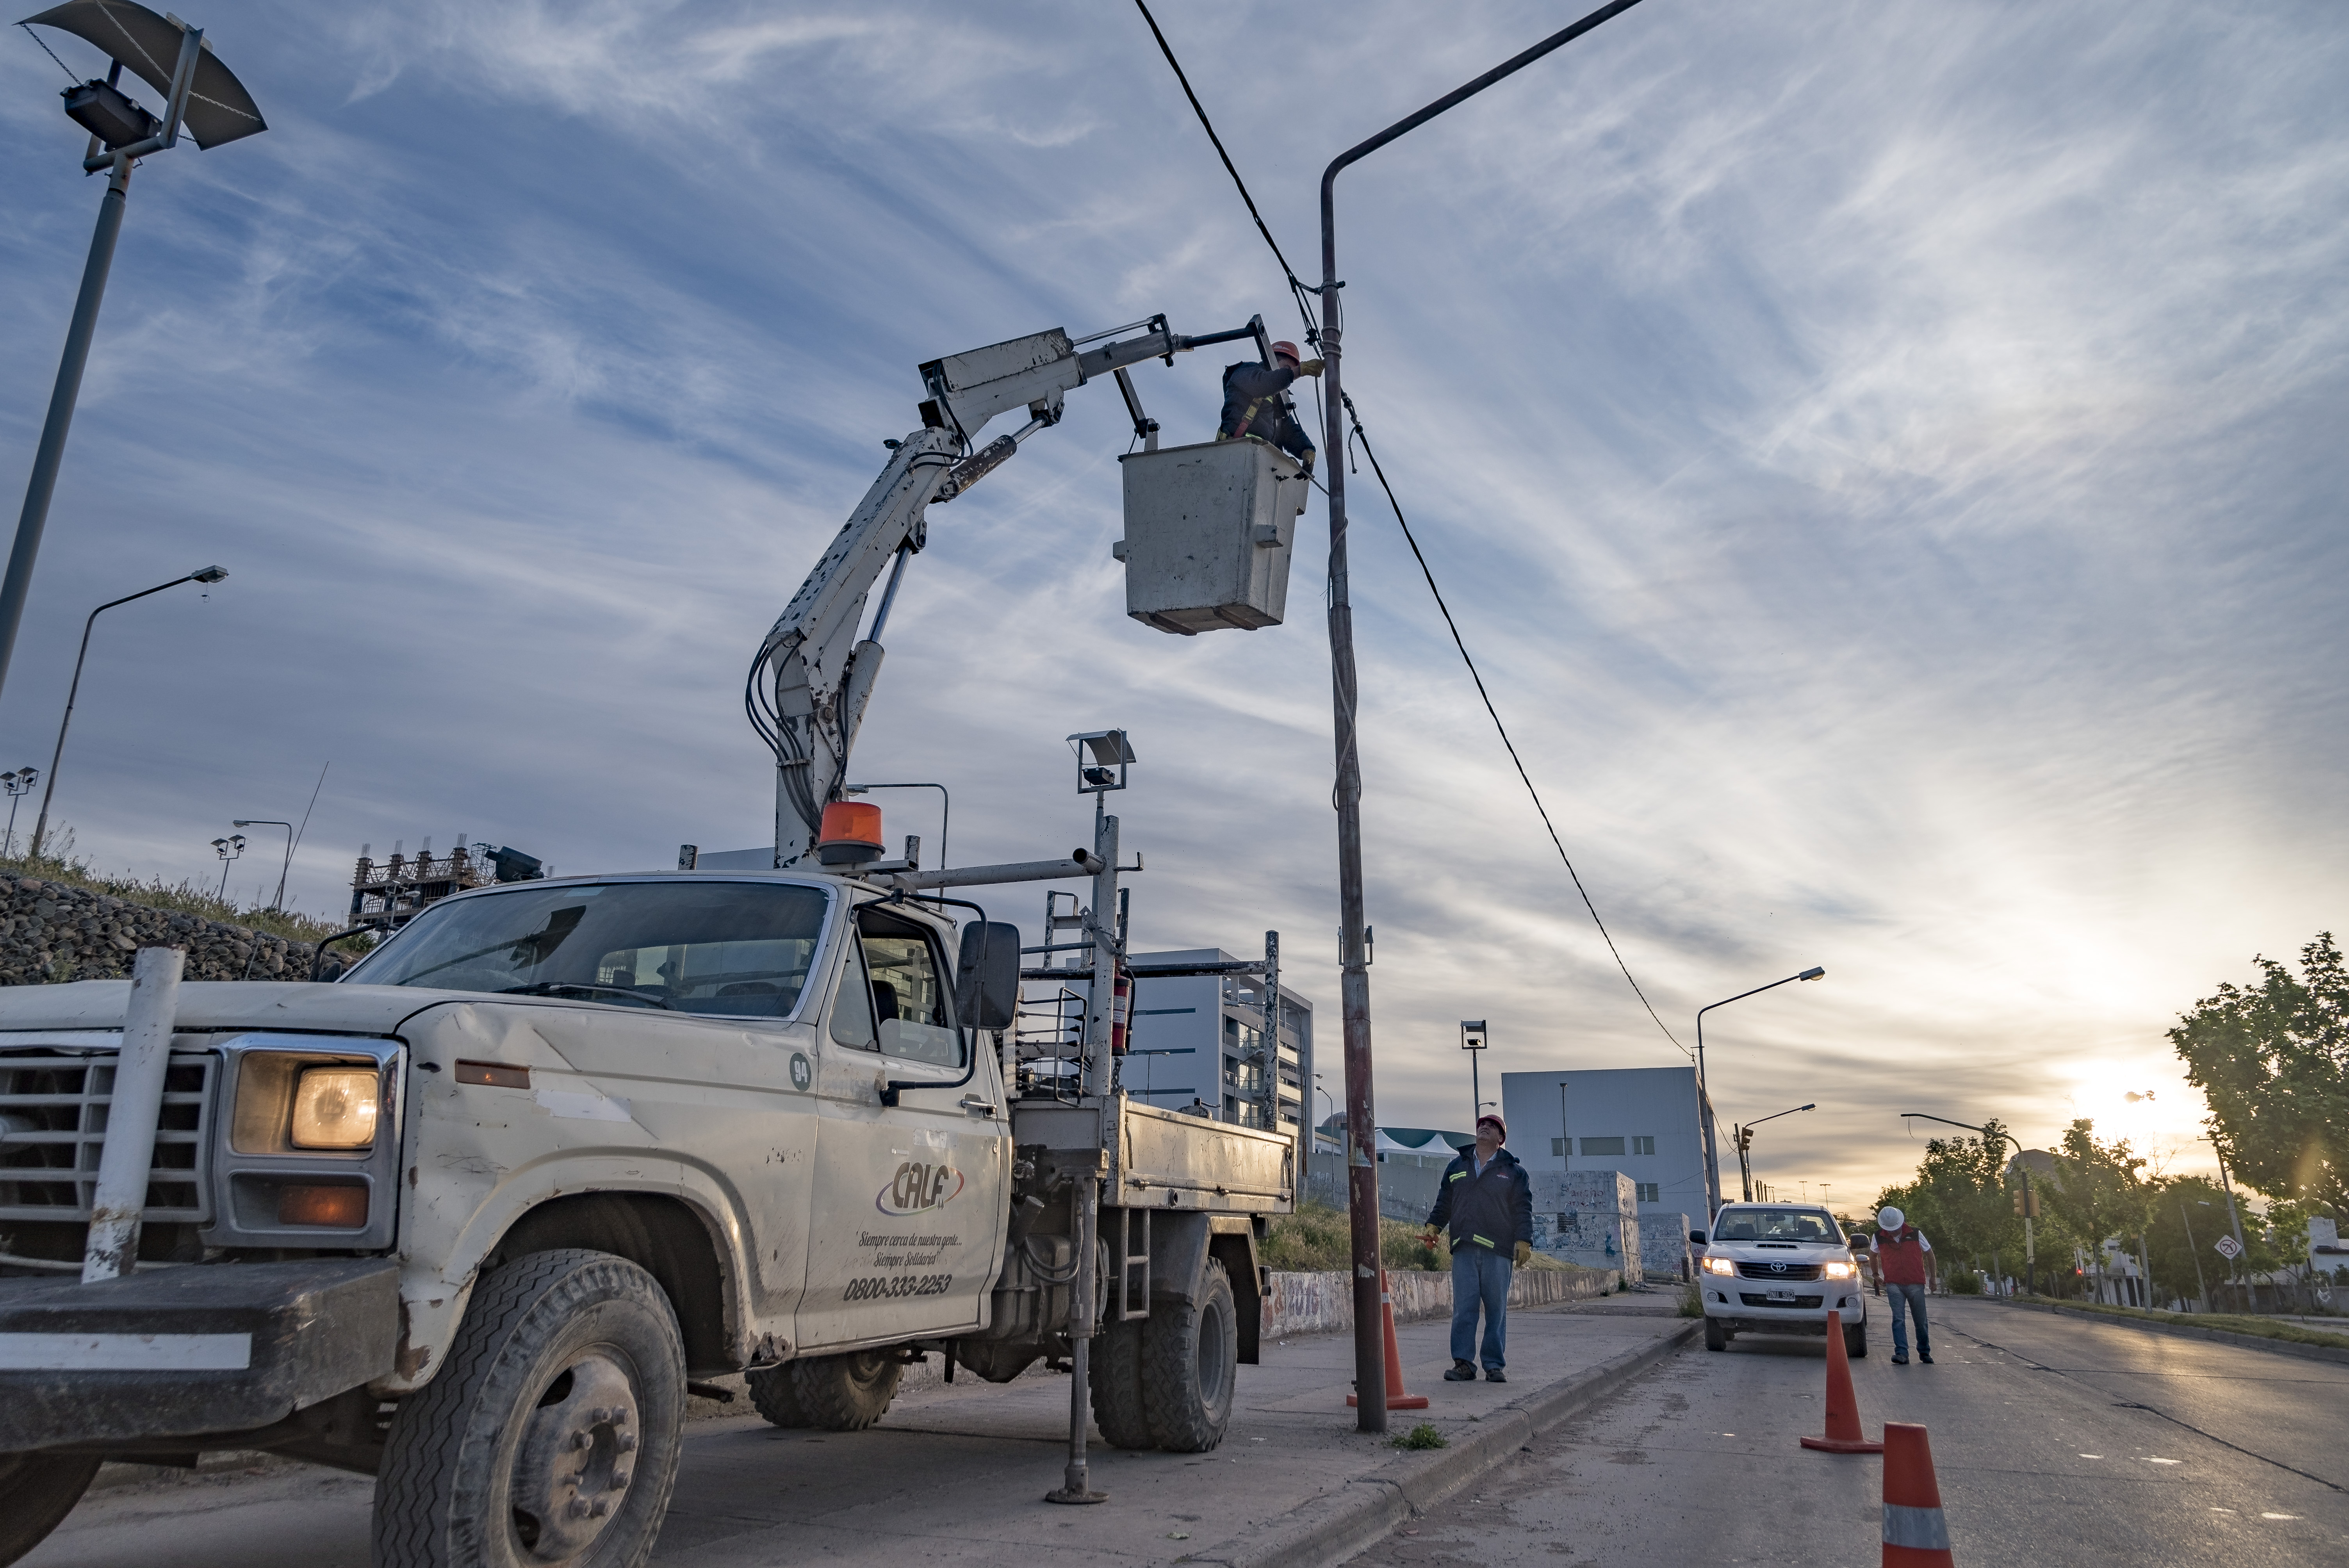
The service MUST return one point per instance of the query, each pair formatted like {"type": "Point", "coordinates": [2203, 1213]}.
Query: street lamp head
{"type": "Point", "coordinates": [1811, 1107]}
{"type": "Point", "coordinates": [1813, 973]}
{"type": "Point", "coordinates": [213, 105]}
{"type": "Point", "coordinates": [209, 574]}
{"type": "Point", "coordinates": [1472, 1036]}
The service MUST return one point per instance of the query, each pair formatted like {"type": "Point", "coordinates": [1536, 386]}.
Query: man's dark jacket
{"type": "Point", "coordinates": [1255, 405]}
{"type": "Point", "coordinates": [1495, 1210]}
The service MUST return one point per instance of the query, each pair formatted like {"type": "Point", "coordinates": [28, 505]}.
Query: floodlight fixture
{"type": "Point", "coordinates": [1102, 757]}
{"type": "Point", "coordinates": [201, 97]}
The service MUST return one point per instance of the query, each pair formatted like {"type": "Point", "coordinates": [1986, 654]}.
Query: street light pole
{"type": "Point", "coordinates": [1354, 979]}
{"type": "Point", "coordinates": [2030, 1204]}
{"type": "Point", "coordinates": [40, 825]}
{"type": "Point", "coordinates": [279, 901]}
{"type": "Point", "coordinates": [1704, 1085]}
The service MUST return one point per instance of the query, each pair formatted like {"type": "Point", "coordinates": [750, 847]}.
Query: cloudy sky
{"type": "Point", "coordinates": [1886, 457]}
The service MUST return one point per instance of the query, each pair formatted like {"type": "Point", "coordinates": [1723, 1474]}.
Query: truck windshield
{"type": "Point", "coordinates": [732, 949]}
{"type": "Point", "coordinates": [1777, 1225]}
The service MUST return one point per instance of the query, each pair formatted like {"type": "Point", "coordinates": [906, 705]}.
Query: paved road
{"type": "Point", "coordinates": [2057, 1441]}
{"type": "Point", "coordinates": [952, 1475]}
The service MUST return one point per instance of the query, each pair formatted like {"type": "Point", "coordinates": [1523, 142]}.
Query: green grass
{"type": "Point", "coordinates": [1691, 1302]}
{"type": "Point", "coordinates": [2226, 1321]}
{"type": "Point", "coordinates": [1422, 1436]}
{"type": "Point", "coordinates": [1317, 1238]}
{"type": "Point", "coordinates": [57, 862]}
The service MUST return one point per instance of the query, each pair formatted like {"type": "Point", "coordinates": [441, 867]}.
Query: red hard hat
{"type": "Point", "coordinates": [1287, 350]}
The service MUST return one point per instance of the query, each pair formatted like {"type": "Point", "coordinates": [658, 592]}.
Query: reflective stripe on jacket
{"type": "Point", "coordinates": [1494, 1211]}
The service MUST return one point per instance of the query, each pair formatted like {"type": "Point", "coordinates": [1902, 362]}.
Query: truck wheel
{"type": "Point", "coordinates": [775, 1397]}
{"type": "Point", "coordinates": [846, 1393]}
{"type": "Point", "coordinates": [1190, 1362]}
{"type": "Point", "coordinates": [36, 1492]}
{"type": "Point", "coordinates": [1855, 1340]}
{"type": "Point", "coordinates": [1116, 1368]}
{"type": "Point", "coordinates": [1716, 1336]}
{"type": "Point", "coordinates": [550, 1435]}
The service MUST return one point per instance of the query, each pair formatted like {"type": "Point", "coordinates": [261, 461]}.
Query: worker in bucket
{"type": "Point", "coordinates": [1488, 1201]}
{"type": "Point", "coordinates": [1256, 402]}
{"type": "Point", "coordinates": [1904, 1265]}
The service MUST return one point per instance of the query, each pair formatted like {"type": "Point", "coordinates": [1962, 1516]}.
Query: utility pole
{"type": "Point", "coordinates": [1354, 977]}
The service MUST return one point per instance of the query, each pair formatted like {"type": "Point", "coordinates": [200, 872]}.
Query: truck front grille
{"type": "Point", "coordinates": [1759, 1298]}
{"type": "Point", "coordinates": [53, 1110]}
{"type": "Point", "coordinates": [1776, 1272]}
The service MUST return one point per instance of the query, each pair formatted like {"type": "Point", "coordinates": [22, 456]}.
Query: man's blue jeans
{"type": "Point", "coordinates": [1480, 1278]}
{"type": "Point", "coordinates": [1912, 1296]}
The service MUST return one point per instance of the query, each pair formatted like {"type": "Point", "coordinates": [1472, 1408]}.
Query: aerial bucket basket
{"type": "Point", "coordinates": [1208, 534]}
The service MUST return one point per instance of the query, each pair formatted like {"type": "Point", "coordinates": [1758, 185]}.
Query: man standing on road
{"type": "Point", "coordinates": [1488, 1202]}
{"type": "Point", "coordinates": [1904, 1265]}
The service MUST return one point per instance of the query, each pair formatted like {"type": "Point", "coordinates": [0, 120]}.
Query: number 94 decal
{"type": "Point", "coordinates": [897, 1285]}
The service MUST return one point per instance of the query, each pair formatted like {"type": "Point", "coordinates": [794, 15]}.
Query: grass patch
{"type": "Point", "coordinates": [57, 862]}
{"type": "Point", "coordinates": [2226, 1321]}
{"type": "Point", "coordinates": [1691, 1302]}
{"type": "Point", "coordinates": [1318, 1238]}
{"type": "Point", "coordinates": [1422, 1436]}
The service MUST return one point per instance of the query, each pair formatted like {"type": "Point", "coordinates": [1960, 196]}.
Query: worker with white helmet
{"type": "Point", "coordinates": [1256, 402]}
{"type": "Point", "coordinates": [1905, 1268]}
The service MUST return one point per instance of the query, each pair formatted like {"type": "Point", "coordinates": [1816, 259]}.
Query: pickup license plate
{"type": "Point", "coordinates": [1785, 1296]}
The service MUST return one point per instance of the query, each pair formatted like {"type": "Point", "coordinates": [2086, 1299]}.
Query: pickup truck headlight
{"type": "Point", "coordinates": [334, 1107]}
{"type": "Point", "coordinates": [1839, 1270]}
{"type": "Point", "coordinates": [1719, 1266]}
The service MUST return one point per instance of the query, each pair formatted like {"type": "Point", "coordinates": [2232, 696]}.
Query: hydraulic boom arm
{"type": "Point", "coordinates": [810, 685]}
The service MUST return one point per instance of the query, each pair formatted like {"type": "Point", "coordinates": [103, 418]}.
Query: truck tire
{"type": "Point", "coordinates": [36, 1492]}
{"type": "Point", "coordinates": [1855, 1340]}
{"type": "Point", "coordinates": [847, 1393]}
{"type": "Point", "coordinates": [561, 1354]}
{"type": "Point", "coordinates": [1118, 1410]}
{"type": "Point", "coordinates": [1716, 1336]}
{"type": "Point", "coordinates": [1190, 1366]}
{"type": "Point", "coordinates": [773, 1395]}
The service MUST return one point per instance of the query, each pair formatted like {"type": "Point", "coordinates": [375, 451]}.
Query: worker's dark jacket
{"type": "Point", "coordinates": [1495, 1210]}
{"type": "Point", "coordinates": [1256, 403]}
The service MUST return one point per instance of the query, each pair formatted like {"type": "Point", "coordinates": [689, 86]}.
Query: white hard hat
{"type": "Point", "coordinates": [1890, 1218]}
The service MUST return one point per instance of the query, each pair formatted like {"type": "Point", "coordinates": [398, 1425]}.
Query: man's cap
{"type": "Point", "coordinates": [1499, 1124]}
{"type": "Point", "coordinates": [1890, 1218]}
{"type": "Point", "coordinates": [1284, 346]}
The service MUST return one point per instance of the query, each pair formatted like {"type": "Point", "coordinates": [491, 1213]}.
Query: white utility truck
{"type": "Point", "coordinates": [477, 1218]}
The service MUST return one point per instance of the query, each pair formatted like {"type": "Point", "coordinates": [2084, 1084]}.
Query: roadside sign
{"type": "Point", "coordinates": [2227, 1247]}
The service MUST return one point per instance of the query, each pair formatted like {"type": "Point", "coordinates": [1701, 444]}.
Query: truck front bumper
{"type": "Point", "coordinates": [183, 1352]}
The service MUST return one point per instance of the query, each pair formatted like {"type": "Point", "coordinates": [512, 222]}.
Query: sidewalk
{"type": "Point", "coordinates": [956, 1474]}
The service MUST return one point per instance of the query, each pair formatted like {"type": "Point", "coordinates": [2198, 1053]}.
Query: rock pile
{"type": "Point", "coordinates": [52, 931]}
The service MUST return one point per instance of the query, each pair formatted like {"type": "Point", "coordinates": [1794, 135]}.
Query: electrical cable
{"type": "Point", "coordinates": [1313, 335]}
{"type": "Point", "coordinates": [68, 69]}
{"type": "Point", "coordinates": [1362, 436]}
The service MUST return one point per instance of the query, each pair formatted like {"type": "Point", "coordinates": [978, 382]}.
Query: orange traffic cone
{"type": "Point", "coordinates": [1844, 1435]}
{"type": "Point", "coordinates": [1396, 1398]}
{"type": "Point", "coordinates": [1915, 1534]}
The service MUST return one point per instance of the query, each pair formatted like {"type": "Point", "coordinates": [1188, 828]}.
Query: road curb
{"type": "Point", "coordinates": [2186, 1331]}
{"type": "Point", "coordinates": [1335, 1527]}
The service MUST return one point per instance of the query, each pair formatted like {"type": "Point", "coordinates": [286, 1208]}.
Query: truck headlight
{"type": "Point", "coordinates": [1838, 1270]}
{"type": "Point", "coordinates": [334, 1107]}
{"type": "Point", "coordinates": [1719, 1266]}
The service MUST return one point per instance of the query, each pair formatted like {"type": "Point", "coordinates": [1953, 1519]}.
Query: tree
{"type": "Point", "coordinates": [1960, 1201]}
{"type": "Point", "coordinates": [2272, 1060]}
{"type": "Point", "coordinates": [2097, 1191]}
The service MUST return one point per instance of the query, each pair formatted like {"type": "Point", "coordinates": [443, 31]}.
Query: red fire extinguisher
{"type": "Point", "coordinates": [1121, 1009]}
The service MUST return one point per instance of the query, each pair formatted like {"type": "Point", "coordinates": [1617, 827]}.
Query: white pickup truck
{"type": "Point", "coordinates": [476, 1218]}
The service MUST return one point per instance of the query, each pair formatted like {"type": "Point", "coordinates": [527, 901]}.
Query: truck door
{"type": "Point", "coordinates": [910, 1197]}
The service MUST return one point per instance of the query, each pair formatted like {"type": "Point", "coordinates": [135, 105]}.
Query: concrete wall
{"type": "Point", "coordinates": [1665, 1245]}
{"type": "Point", "coordinates": [1588, 1217]}
{"type": "Point", "coordinates": [51, 932]}
{"type": "Point", "coordinates": [1407, 1182]}
{"type": "Point", "coordinates": [1323, 1303]}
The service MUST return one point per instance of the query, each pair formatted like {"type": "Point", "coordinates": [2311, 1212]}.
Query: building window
{"type": "Point", "coordinates": [1648, 1189]}
{"type": "Point", "coordinates": [1602, 1146]}
{"type": "Point", "coordinates": [1558, 1147]}
{"type": "Point", "coordinates": [1643, 1146]}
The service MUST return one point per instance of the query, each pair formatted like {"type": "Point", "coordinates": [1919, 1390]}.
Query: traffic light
{"type": "Point", "coordinates": [2026, 1202]}
{"type": "Point", "coordinates": [1744, 1139]}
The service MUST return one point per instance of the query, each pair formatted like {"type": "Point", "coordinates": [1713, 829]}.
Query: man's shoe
{"type": "Point", "coordinates": [1926, 1356]}
{"type": "Point", "coordinates": [1495, 1375]}
{"type": "Point", "coordinates": [1900, 1361]}
{"type": "Point", "coordinates": [1460, 1372]}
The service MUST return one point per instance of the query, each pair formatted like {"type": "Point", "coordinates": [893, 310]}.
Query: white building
{"type": "Point", "coordinates": [1645, 1122]}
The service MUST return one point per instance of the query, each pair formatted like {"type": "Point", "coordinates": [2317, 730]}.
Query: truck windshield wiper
{"type": "Point", "coordinates": [549, 987]}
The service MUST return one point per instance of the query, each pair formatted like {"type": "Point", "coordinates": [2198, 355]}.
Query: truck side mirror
{"type": "Point", "coordinates": [987, 978]}
{"type": "Point", "coordinates": [1697, 1237]}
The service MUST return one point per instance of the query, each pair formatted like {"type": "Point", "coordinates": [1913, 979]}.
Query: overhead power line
{"type": "Point", "coordinates": [1303, 296]}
